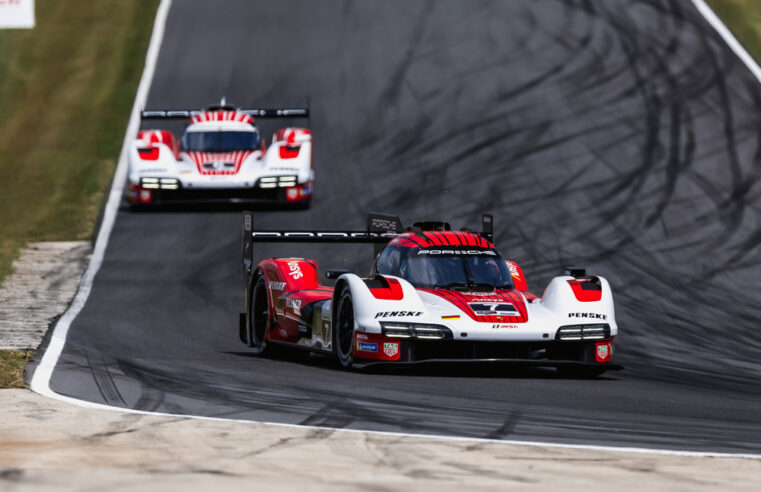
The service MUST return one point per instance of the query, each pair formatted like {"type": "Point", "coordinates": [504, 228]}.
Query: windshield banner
{"type": "Point", "coordinates": [16, 14]}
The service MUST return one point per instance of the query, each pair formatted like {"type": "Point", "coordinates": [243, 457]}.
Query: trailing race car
{"type": "Point", "coordinates": [221, 156]}
{"type": "Point", "coordinates": [433, 294]}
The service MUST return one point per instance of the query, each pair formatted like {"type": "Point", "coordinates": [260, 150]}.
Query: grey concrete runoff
{"type": "Point", "coordinates": [44, 280]}
{"type": "Point", "coordinates": [48, 445]}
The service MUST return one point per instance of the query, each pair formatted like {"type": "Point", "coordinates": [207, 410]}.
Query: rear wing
{"type": "Point", "coordinates": [184, 114]}
{"type": "Point", "coordinates": [381, 228]}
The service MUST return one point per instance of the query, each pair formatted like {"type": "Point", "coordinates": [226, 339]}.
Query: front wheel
{"type": "Point", "coordinates": [343, 329]}
{"type": "Point", "coordinates": [260, 314]}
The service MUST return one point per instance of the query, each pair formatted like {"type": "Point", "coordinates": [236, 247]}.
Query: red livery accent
{"type": "Point", "coordinates": [604, 351]}
{"type": "Point", "coordinates": [517, 273]}
{"type": "Point", "coordinates": [376, 346]}
{"type": "Point", "coordinates": [585, 294]}
{"type": "Point", "coordinates": [151, 139]}
{"type": "Point", "coordinates": [222, 116]}
{"type": "Point", "coordinates": [392, 293]}
{"type": "Point", "coordinates": [463, 300]}
{"type": "Point", "coordinates": [148, 153]}
{"type": "Point", "coordinates": [429, 239]}
{"type": "Point", "coordinates": [234, 158]}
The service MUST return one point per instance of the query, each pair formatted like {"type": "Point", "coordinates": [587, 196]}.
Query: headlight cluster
{"type": "Point", "coordinates": [277, 181]}
{"type": "Point", "coordinates": [415, 330]}
{"type": "Point", "coordinates": [583, 332]}
{"type": "Point", "coordinates": [159, 183]}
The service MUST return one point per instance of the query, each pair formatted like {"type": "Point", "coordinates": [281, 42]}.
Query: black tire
{"type": "Point", "coordinates": [259, 321]}
{"type": "Point", "coordinates": [343, 328]}
{"type": "Point", "coordinates": [580, 372]}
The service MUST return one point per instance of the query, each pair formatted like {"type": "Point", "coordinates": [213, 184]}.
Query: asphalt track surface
{"type": "Point", "coordinates": [620, 135]}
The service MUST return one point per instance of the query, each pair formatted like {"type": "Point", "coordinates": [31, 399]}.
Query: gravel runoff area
{"type": "Point", "coordinates": [47, 444]}
{"type": "Point", "coordinates": [41, 449]}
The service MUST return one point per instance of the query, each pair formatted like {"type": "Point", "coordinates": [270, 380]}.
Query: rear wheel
{"type": "Point", "coordinates": [343, 332]}
{"type": "Point", "coordinates": [260, 314]}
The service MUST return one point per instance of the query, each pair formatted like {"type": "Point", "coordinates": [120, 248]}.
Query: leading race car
{"type": "Point", "coordinates": [221, 156]}
{"type": "Point", "coordinates": [433, 294]}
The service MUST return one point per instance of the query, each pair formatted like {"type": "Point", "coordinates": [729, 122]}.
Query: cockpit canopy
{"type": "Point", "coordinates": [220, 141]}
{"type": "Point", "coordinates": [446, 267]}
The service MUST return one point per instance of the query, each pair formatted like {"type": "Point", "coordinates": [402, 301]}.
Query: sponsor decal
{"type": "Point", "coordinates": [588, 315]}
{"type": "Point", "coordinates": [464, 252]}
{"type": "Point", "coordinates": [378, 223]}
{"type": "Point", "coordinates": [294, 304]}
{"type": "Point", "coordinates": [603, 352]}
{"type": "Point", "coordinates": [390, 349]}
{"type": "Point", "coordinates": [295, 270]}
{"type": "Point", "coordinates": [513, 269]}
{"type": "Point", "coordinates": [393, 314]}
{"type": "Point", "coordinates": [367, 347]}
{"type": "Point", "coordinates": [277, 285]}
{"type": "Point", "coordinates": [502, 326]}
{"type": "Point", "coordinates": [360, 336]}
{"type": "Point", "coordinates": [493, 309]}
{"type": "Point", "coordinates": [454, 316]}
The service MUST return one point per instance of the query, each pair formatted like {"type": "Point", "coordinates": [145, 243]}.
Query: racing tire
{"type": "Point", "coordinates": [343, 329]}
{"type": "Point", "coordinates": [580, 372]}
{"type": "Point", "coordinates": [259, 320]}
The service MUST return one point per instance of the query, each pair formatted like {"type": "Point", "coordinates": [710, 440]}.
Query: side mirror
{"type": "Point", "coordinates": [575, 272]}
{"type": "Point", "coordinates": [335, 273]}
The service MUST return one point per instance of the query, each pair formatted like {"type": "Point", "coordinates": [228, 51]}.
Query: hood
{"type": "Point", "coordinates": [499, 306]}
{"type": "Point", "coordinates": [219, 163]}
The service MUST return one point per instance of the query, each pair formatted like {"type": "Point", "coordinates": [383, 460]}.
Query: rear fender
{"type": "Point", "coordinates": [291, 149]}
{"type": "Point", "coordinates": [581, 301]}
{"type": "Point", "coordinates": [153, 154]}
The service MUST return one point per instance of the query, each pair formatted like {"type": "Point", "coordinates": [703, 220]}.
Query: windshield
{"type": "Point", "coordinates": [451, 268]}
{"type": "Point", "coordinates": [220, 141]}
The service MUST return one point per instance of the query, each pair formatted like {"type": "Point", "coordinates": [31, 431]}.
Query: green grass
{"type": "Point", "coordinates": [743, 18]}
{"type": "Point", "coordinates": [12, 368]}
{"type": "Point", "coordinates": [66, 90]}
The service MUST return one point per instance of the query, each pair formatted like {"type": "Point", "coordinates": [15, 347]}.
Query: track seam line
{"type": "Point", "coordinates": [729, 38]}
{"type": "Point", "coordinates": [40, 382]}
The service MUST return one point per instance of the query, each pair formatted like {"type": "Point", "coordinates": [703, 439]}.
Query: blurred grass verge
{"type": "Point", "coordinates": [66, 91]}
{"type": "Point", "coordinates": [743, 18]}
{"type": "Point", "coordinates": [12, 368]}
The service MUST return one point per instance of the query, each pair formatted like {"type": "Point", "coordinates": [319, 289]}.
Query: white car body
{"type": "Point", "coordinates": [221, 157]}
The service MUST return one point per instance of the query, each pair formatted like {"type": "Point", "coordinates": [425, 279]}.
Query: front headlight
{"type": "Point", "coordinates": [415, 330]}
{"type": "Point", "coordinates": [583, 332]}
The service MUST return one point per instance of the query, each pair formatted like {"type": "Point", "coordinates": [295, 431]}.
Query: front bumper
{"type": "Point", "coordinates": [373, 349]}
{"type": "Point", "coordinates": [139, 195]}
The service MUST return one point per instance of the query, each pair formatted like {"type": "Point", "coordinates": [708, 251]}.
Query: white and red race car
{"type": "Point", "coordinates": [221, 156]}
{"type": "Point", "coordinates": [433, 295]}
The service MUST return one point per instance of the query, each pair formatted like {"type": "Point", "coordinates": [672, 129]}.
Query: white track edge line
{"type": "Point", "coordinates": [40, 382]}
{"type": "Point", "coordinates": [728, 37]}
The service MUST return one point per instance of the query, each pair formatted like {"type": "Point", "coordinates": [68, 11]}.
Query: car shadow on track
{"type": "Point", "coordinates": [429, 369]}
{"type": "Point", "coordinates": [221, 207]}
